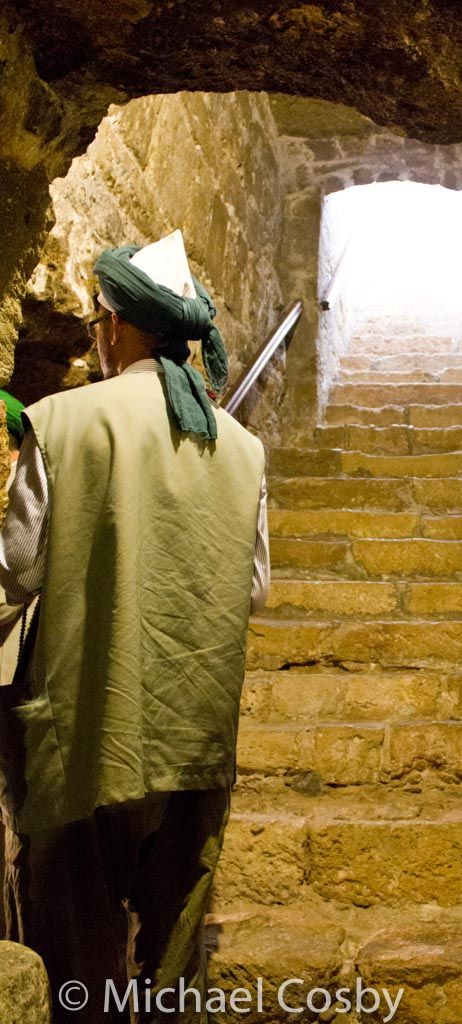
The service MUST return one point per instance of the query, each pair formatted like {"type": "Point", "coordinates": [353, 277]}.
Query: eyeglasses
{"type": "Point", "coordinates": [91, 325]}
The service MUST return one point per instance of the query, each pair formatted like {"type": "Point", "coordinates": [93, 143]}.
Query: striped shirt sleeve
{"type": "Point", "coordinates": [23, 537]}
{"type": "Point", "coordinates": [261, 565]}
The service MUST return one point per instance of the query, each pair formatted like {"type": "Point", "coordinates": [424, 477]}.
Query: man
{"type": "Point", "coordinates": [139, 512]}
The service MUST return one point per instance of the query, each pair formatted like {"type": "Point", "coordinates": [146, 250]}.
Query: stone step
{"type": "Point", "coordinates": [308, 462]}
{"type": "Point", "coordinates": [354, 753]}
{"type": "Point", "coordinates": [301, 599]}
{"type": "Point", "coordinates": [417, 949]}
{"type": "Point", "coordinates": [273, 944]}
{"type": "Point", "coordinates": [337, 753]}
{"type": "Point", "coordinates": [382, 345]}
{"type": "Point", "coordinates": [367, 493]}
{"type": "Point", "coordinates": [380, 850]}
{"type": "Point", "coordinates": [445, 375]}
{"type": "Point", "coordinates": [284, 644]}
{"type": "Point", "coordinates": [421, 361]}
{"type": "Point", "coordinates": [390, 415]}
{"type": "Point", "coordinates": [442, 527]}
{"type": "Point", "coordinates": [363, 558]}
{"type": "Point", "coordinates": [353, 412]}
{"type": "Point", "coordinates": [435, 439]}
{"type": "Point", "coordinates": [378, 395]}
{"type": "Point", "coordinates": [312, 557]}
{"type": "Point", "coordinates": [335, 462]}
{"type": "Point", "coordinates": [434, 415]}
{"type": "Point", "coordinates": [393, 440]}
{"type": "Point", "coordinates": [405, 558]}
{"type": "Point", "coordinates": [424, 465]}
{"type": "Point", "coordinates": [346, 523]}
{"type": "Point", "coordinates": [301, 695]}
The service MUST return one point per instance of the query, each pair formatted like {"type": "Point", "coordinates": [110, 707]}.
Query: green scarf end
{"type": "Point", "coordinates": [188, 398]}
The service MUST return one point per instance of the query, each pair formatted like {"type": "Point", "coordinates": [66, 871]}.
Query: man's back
{"type": "Point", "coordinates": [142, 536]}
{"type": "Point", "coordinates": [145, 600]}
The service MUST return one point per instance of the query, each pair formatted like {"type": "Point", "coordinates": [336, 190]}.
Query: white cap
{"type": "Point", "coordinates": [166, 263]}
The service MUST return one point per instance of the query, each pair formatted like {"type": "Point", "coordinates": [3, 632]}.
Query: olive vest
{"type": "Point", "coordinates": [145, 602]}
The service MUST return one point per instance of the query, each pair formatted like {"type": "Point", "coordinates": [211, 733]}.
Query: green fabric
{"type": "Point", "coordinates": [14, 408]}
{"type": "Point", "coordinates": [156, 309]}
{"type": "Point", "coordinates": [146, 595]}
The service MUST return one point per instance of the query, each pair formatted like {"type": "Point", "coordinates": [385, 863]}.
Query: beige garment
{"type": "Point", "coordinates": [10, 621]}
{"type": "Point", "coordinates": [140, 651]}
{"type": "Point", "coordinates": [10, 631]}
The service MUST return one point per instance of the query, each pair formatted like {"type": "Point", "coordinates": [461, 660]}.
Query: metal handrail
{"type": "Point", "coordinates": [237, 392]}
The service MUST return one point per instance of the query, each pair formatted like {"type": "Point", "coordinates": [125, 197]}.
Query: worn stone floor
{"type": "Point", "coordinates": [343, 857]}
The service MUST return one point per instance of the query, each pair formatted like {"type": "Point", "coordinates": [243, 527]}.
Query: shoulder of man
{"type": "Point", "coordinates": [68, 399]}
{"type": "Point", "coordinates": [228, 423]}
{"type": "Point", "coordinates": [70, 395]}
{"type": "Point", "coordinates": [241, 439]}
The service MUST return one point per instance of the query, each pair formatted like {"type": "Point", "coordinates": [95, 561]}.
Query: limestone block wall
{"type": "Point", "coordinates": [200, 162]}
{"type": "Point", "coordinates": [324, 148]}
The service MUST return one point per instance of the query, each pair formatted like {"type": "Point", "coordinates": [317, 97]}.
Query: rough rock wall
{"type": "Point", "coordinates": [205, 163]}
{"type": "Point", "coordinates": [25, 152]}
{"type": "Point", "coordinates": [397, 63]}
{"type": "Point", "coordinates": [63, 62]}
{"type": "Point", "coordinates": [40, 130]}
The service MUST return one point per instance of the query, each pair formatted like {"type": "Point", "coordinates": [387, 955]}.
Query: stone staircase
{"type": "Point", "coordinates": [343, 857]}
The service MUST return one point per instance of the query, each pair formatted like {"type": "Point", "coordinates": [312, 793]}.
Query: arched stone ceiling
{"type": "Point", "coordinates": [396, 62]}
{"type": "Point", "coordinates": [64, 61]}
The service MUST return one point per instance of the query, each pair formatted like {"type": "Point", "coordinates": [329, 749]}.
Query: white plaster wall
{"type": "Point", "coordinates": [336, 323]}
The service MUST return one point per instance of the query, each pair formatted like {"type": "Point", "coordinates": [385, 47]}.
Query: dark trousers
{"type": "Point", "coordinates": [117, 903]}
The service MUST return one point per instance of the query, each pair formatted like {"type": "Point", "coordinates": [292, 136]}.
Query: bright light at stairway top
{"type": "Point", "coordinates": [405, 248]}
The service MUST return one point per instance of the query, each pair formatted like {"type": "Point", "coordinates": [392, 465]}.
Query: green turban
{"type": "Point", "coordinates": [14, 408]}
{"type": "Point", "coordinates": [158, 310]}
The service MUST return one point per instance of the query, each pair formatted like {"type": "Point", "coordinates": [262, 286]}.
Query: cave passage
{"type": "Point", "coordinates": [267, 190]}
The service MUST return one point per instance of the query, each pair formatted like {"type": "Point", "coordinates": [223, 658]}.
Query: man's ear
{"type": "Point", "coordinates": [116, 322]}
